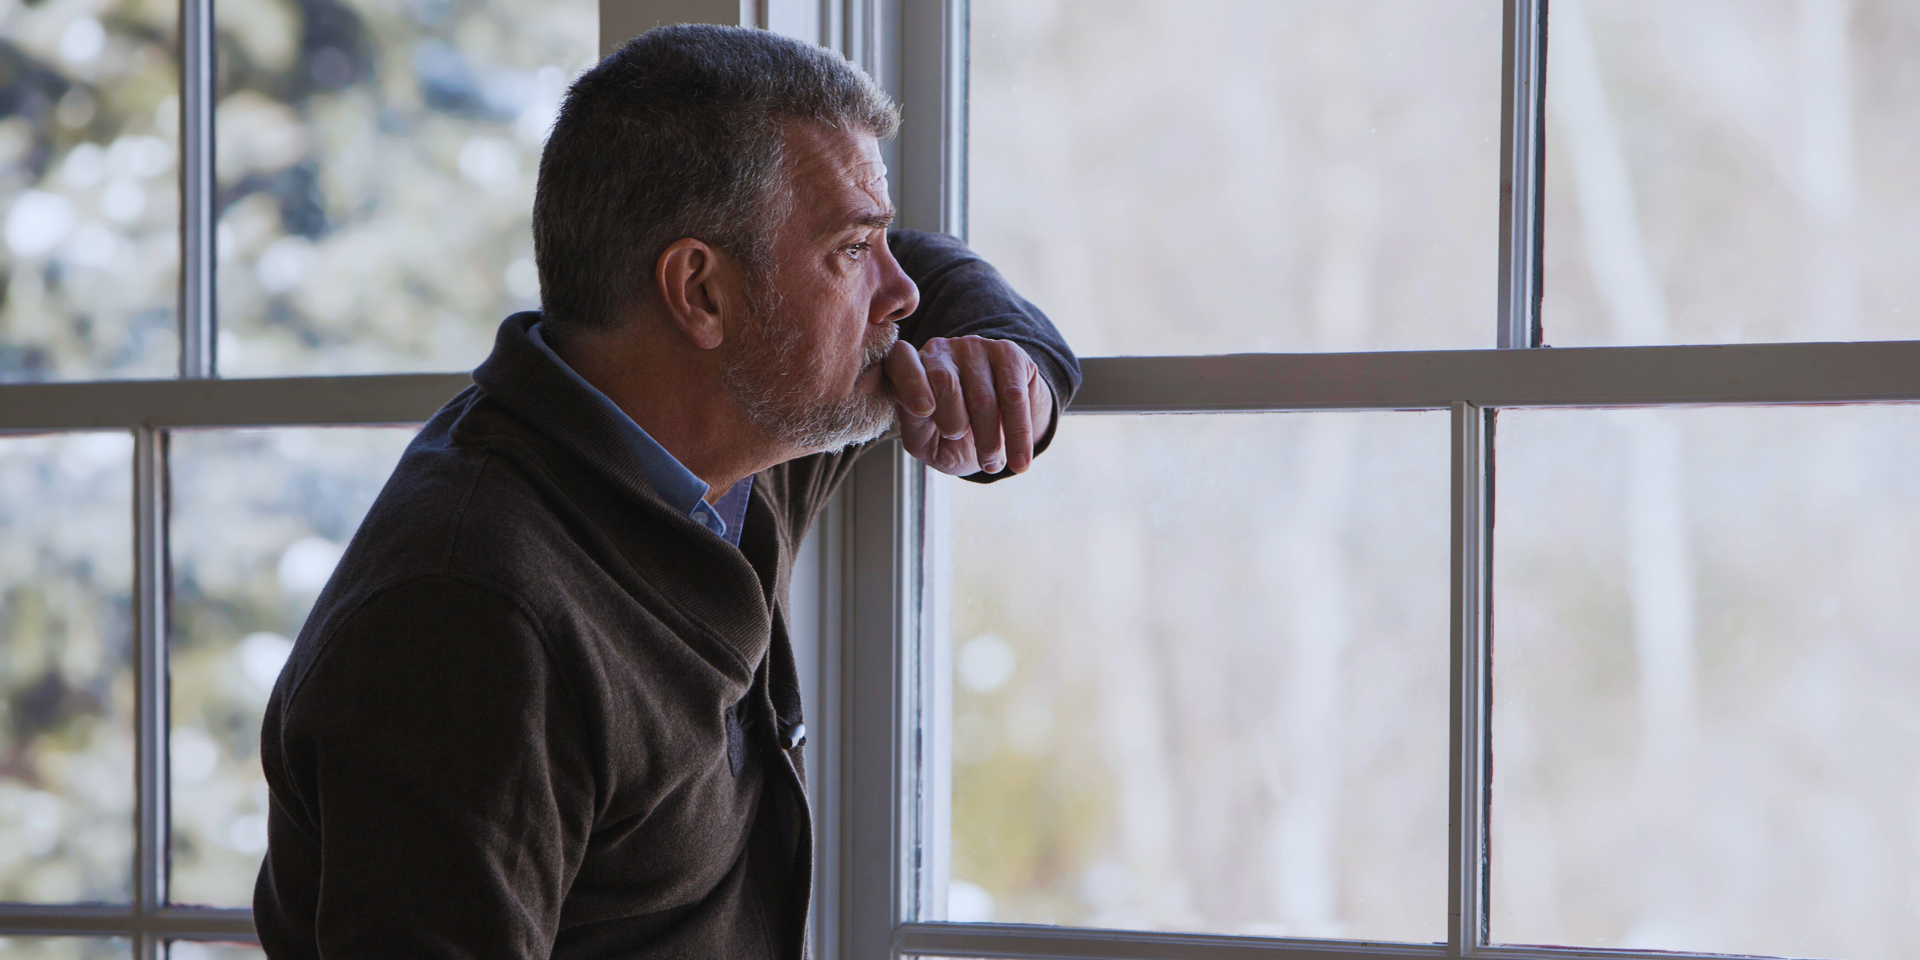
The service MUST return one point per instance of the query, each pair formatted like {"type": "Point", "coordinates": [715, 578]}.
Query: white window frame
{"type": "Point", "coordinates": [884, 807]}
{"type": "Point", "coordinates": [868, 601]}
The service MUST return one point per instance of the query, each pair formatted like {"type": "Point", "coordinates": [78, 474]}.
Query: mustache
{"type": "Point", "coordinates": [877, 349]}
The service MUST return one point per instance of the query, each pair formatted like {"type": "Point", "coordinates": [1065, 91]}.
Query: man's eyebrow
{"type": "Point", "coordinates": [868, 218]}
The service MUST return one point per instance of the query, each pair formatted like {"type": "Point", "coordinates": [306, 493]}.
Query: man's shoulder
{"type": "Point", "coordinates": [448, 497]}
{"type": "Point", "coordinates": [443, 557]}
{"type": "Point", "coordinates": [484, 500]}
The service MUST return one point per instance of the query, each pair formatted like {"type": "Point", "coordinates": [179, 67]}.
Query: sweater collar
{"type": "Point", "coordinates": [518, 376]}
{"type": "Point", "coordinates": [536, 386]}
{"type": "Point", "coordinates": [563, 410]}
{"type": "Point", "coordinates": [669, 477]}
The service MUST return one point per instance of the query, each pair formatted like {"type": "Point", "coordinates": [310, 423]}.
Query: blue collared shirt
{"type": "Point", "coordinates": [671, 480]}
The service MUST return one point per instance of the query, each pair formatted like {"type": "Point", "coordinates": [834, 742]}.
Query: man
{"type": "Point", "coordinates": [546, 706]}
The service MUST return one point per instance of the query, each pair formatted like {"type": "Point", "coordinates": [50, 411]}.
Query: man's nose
{"type": "Point", "coordinates": [897, 297]}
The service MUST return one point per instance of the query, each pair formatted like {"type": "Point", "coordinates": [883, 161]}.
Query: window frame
{"type": "Point", "coordinates": [870, 622]}
{"type": "Point", "coordinates": [1472, 385]}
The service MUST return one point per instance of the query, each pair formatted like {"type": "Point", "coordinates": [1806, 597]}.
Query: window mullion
{"type": "Point", "coordinates": [1523, 75]}
{"type": "Point", "coordinates": [873, 730]}
{"type": "Point", "coordinates": [197, 249]}
{"type": "Point", "coordinates": [932, 73]}
{"type": "Point", "coordinates": [1467, 795]}
{"type": "Point", "coordinates": [150, 683]}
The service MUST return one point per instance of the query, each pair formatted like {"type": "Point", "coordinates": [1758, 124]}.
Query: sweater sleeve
{"type": "Point", "coordinates": [962, 295]}
{"type": "Point", "coordinates": [436, 768]}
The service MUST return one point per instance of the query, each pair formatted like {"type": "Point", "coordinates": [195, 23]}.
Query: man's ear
{"type": "Point", "coordinates": [701, 287]}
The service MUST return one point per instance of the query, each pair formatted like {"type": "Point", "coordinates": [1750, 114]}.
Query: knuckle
{"type": "Point", "coordinates": [977, 392]}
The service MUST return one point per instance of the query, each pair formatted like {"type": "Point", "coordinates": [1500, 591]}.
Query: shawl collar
{"type": "Point", "coordinates": [705, 576]}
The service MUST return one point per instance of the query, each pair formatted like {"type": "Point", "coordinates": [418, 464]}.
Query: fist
{"type": "Point", "coordinates": [969, 404]}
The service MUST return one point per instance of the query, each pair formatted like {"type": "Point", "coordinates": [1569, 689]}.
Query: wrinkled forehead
{"type": "Point", "coordinates": [835, 171]}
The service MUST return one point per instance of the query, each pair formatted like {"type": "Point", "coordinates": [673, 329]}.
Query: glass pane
{"type": "Point", "coordinates": [1726, 172]}
{"type": "Point", "coordinates": [259, 519]}
{"type": "Point", "coordinates": [64, 948]}
{"type": "Point", "coordinates": [66, 668]}
{"type": "Point", "coordinates": [89, 249]}
{"type": "Point", "coordinates": [1707, 680]}
{"type": "Point", "coordinates": [199, 950]}
{"type": "Point", "coordinates": [376, 165]}
{"type": "Point", "coordinates": [1241, 175]}
{"type": "Point", "coordinates": [1199, 678]}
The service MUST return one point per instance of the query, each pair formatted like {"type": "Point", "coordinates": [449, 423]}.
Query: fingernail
{"type": "Point", "coordinates": [996, 465]}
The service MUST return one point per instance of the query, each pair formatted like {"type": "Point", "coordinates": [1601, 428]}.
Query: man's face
{"type": "Point", "coordinates": [806, 365]}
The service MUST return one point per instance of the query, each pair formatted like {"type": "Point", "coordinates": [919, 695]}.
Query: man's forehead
{"type": "Point", "coordinates": [840, 171]}
{"type": "Point", "coordinates": [868, 175]}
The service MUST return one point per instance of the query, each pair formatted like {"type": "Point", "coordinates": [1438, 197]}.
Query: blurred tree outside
{"type": "Point", "coordinates": [89, 253]}
{"type": "Point", "coordinates": [66, 674]}
{"type": "Point", "coordinates": [376, 165]}
{"type": "Point", "coordinates": [64, 948]}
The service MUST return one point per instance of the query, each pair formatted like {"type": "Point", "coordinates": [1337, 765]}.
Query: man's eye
{"type": "Point", "coordinates": [858, 250]}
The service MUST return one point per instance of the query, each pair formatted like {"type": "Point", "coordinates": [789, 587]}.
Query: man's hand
{"type": "Point", "coordinates": [969, 404]}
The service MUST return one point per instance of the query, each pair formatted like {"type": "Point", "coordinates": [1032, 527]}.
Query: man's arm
{"type": "Point", "coordinates": [984, 374]}
{"type": "Point", "coordinates": [438, 772]}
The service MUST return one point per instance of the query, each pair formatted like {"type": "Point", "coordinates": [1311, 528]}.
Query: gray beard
{"type": "Point", "coordinates": [763, 377]}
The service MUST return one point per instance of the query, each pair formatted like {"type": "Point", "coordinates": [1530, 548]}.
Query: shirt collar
{"type": "Point", "coordinates": [670, 478]}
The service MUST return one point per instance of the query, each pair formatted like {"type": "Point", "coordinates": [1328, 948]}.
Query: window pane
{"type": "Point", "coordinates": [89, 249]}
{"type": "Point", "coordinates": [1725, 172]}
{"type": "Point", "coordinates": [66, 671]}
{"type": "Point", "coordinates": [259, 519]}
{"type": "Point", "coordinates": [64, 948]}
{"type": "Point", "coordinates": [198, 950]}
{"type": "Point", "coordinates": [1199, 678]}
{"type": "Point", "coordinates": [1241, 175]}
{"type": "Point", "coordinates": [376, 164]}
{"type": "Point", "coordinates": [1706, 680]}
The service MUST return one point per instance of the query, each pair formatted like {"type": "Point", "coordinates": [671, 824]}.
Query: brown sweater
{"type": "Point", "coordinates": [539, 712]}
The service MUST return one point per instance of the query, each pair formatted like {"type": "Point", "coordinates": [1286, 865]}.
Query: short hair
{"type": "Point", "coordinates": [680, 133]}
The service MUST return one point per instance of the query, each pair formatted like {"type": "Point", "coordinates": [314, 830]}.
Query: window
{"type": "Point", "coordinates": [90, 147]}
{"type": "Point", "coordinates": [1178, 693]}
{"type": "Point", "coordinates": [1199, 679]}
{"type": "Point", "coordinates": [1318, 174]}
{"type": "Point", "coordinates": [1699, 676]}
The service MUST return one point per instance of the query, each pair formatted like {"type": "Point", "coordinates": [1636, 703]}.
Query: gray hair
{"type": "Point", "coordinates": [680, 133]}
